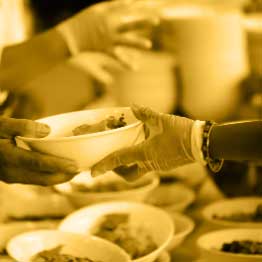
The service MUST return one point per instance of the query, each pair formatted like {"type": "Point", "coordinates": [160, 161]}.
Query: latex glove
{"type": "Point", "coordinates": [23, 166]}
{"type": "Point", "coordinates": [106, 25]}
{"type": "Point", "coordinates": [168, 145]}
{"type": "Point", "coordinates": [98, 65]}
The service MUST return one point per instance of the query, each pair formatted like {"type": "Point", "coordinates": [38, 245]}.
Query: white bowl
{"type": "Point", "coordinates": [184, 226]}
{"type": "Point", "coordinates": [227, 207]}
{"type": "Point", "coordinates": [10, 230]}
{"type": "Point", "coordinates": [79, 199]}
{"type": "Point", "coordinates": [25, 246]}
{"type": "Point", "coordinates": [174, 197]}
{"type": "Point", "coordinates": [164, 257]}
{"type": "Point", "coordinates": [156, 221]}
{"type": "Point", "coordinates": [211, 243]}
{"type": "Point", "coordinates": [86, 149]}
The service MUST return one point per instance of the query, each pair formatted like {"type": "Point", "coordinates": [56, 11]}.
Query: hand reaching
{"type": "Point", "coordinates": [104, 26]}
{"type": "Point", "coordinates": [168, 145]}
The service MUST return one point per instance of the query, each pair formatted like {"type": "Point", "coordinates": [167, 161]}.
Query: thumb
{"type": "Point", "coordinates": [122, 157]}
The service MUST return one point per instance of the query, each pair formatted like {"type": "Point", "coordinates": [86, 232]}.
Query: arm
{"type": "Point", "coordinates": [24, 62]}
{"type": "Point", "coordinates": [90, 30]}
{"type": "Point", "coordinates": [237, 141]}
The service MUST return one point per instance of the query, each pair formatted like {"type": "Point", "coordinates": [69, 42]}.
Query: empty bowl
{"type": "Point", "coordinates": [86, 149]}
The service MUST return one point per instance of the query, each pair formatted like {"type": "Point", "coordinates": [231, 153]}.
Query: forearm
{"type": "Point", "coordinates": [23, 62]}
{"type": "Point", "coordinates": [238, 141]}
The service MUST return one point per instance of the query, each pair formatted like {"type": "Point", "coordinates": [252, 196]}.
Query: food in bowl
{"type": "Point", "coordinates": [242, 216]}
{"type": "Point", "coordinates": [25, 247]}
{"type": "Point", "coordinates": [55, 255]}
{"type": "Point", "coordinates": [136, 241]}
{"type": "Point", "coordinates": [87, 149]}
{"type": "Point", "coordinates": [153, 221]}
{"type": "Point", "coordinates": [243, 247]}
{"type": "Point", "coordinates": [107, 186]}
{"type": "Point", "coordinates": [109, 123]}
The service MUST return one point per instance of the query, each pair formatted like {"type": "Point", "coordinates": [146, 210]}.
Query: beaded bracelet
{"type": "Point", "coordinates": [214, 165]}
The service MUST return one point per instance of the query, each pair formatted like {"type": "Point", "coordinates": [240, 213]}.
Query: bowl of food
{"type": "Point", "coordinates": [87, 136]}
{"type": "Point", "coordinates": [184, 226]}
{"type": "Point", "coordinates": [232, 245]}
{"type": "Point", "coordinates": [235, 212]}
{"type": "Point", "coordinates": [57, 246]}
{"type": "Point", "coordinates": [172, 197]}
{"type": "Point", "coordinates": [143, 231]}
{"type": "Point", "coordinates": [84, 190]}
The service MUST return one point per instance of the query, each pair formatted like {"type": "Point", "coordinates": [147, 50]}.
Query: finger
{"type": "Point", "coordinates": [89, 64]}
{"type": "Point", "coordinates": [25, 176]}
{"type": "Point", "coordinates": [127, 57]}
{"type": "Point", "coordinates": [131, 173]}
{"type": "Point", "coordinates": [134, 22]}
{"type": "Point", "coordinates": [10, 127]}
{"type": "Point", "coordinates": [146, 114]}
{"type": "Point", "coordinates": [99, 66]}
{"type": "Point", "coordinates": [123, 157]}
{"type": "Point", "coordinates": [10, 155]}
{"type": "Point", "coordinates": [133, 40]}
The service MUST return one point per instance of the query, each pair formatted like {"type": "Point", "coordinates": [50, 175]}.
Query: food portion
{"type": "Point", "coordinates": [54, 255]}
{"type": "Point", "coordinates": [107, 186]}
{"type": "Point", "coordinates": [243, 217]}
{"type": "Point", "coordinates": [107, 124]}
{"type": "Point", "coordinates": [243, 247]}
{"type": "Point", "coordinates": [136, 241]}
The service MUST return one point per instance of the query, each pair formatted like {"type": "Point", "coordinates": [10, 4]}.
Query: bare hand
{"type": "Point", "coordinates": [22, 166]}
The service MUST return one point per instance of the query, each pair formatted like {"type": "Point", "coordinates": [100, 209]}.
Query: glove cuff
{"type": "Point", "coordinates": [197, 141]}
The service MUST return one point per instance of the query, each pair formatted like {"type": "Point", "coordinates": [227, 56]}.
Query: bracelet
{"type": "Point", "coordinates": [214, 165]}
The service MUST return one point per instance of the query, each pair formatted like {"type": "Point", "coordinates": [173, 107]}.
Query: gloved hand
{"type": "Point", "coordinates": [97, 65]}
{"type": "Point", "coordinates": [104, 26]}
{"type": "Point", "coordinates": [167, 145]}
{"type": "Point", "coordinates": [23, 166]}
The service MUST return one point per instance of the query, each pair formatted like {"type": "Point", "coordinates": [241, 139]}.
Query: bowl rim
{"type": "Point", "coordinates": [132, 203]}
{"type": "Point", "coordinates": [86, 237]}
{"type": "Point", "coordinates": [219, 252]}
{"type": "Point", "coordinates": [206, 212]}
{"type": "Point", "coordinates": [190, 224]}
{"type": "Point", "coordinates": [153, 183]}
{"type": "Point", "coordinates": [84, 136]}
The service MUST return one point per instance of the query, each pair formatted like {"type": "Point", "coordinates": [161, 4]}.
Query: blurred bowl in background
{"type": "Point", "coordinates": [33, 202]}
{"type": "Point", "coordinates": [154, 221]}
{"type": "Point", "coordinates": [10, 230]}
{"type": "Point", "coordinates": [25, 246]}
{"type": "Point", "coordinates": [211, 244]}
{"type": "Point", "coordinates": [184, 226]}
{"type": "Point", "coordinates": [84, 190]}
{"type": "Point", "coordinates": [237, 212]}
{"type": "Point", "coordinates": [86, 149]}
{"type": "Point", "coordinates": [173, 197]}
